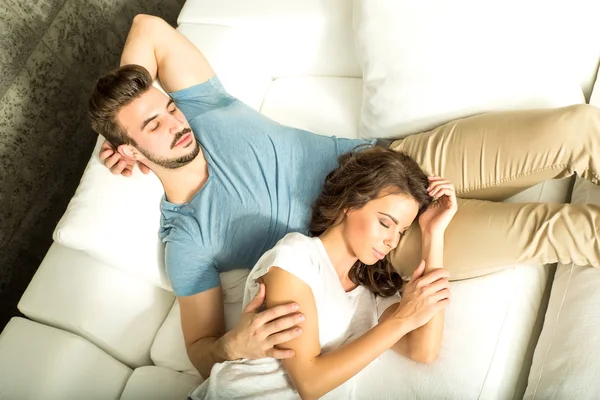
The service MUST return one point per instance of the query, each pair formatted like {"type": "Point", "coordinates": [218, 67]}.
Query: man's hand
{"type": "Point", "coordinates": [117, 163]}
{"type": "Point", "coordinates": [258, 333]}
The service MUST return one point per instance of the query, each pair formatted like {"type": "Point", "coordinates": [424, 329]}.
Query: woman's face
{"type": "Point", "coordinates": [375, 229]}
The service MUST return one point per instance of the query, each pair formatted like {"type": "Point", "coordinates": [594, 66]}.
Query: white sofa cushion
{"type": "Point", "coordinates": [325, 105]}
{"type": "Point", "coordinates": [308, 37]}
{"type": "Point", "coordinates": [231, 54]}
{"type": "Point", "coordinates": [488, 331]}
{"type": "Point", "coordinates": [425, 64]}
{"type": "Point", "coordinates": [487, 340]}
{"type": "Point", "coordinates": [116, 219]}
{"type": "Point", "coordinates": [566, 364]}
{"type": "Point", "coordinates": [118, 313]}
{"type": "Point", "coordinates": [40, 362]}
{"type": "Point", "coordinates": [155, 383]}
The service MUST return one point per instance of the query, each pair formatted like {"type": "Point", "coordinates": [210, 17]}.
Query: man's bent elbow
{"type": "Point", "coordinates": [147, 22]}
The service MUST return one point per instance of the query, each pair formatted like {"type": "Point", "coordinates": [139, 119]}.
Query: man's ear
{"type": "Point", "coordinates": [127, 150]}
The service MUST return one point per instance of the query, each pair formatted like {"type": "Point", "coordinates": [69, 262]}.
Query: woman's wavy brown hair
{"type": "Point", "coordinates": [362, 175]}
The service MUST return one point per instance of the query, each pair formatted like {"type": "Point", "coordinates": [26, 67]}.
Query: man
{"type": "Point", "coordinates": [236, 182]}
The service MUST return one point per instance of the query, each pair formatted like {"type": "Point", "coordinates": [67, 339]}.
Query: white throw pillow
{"type": "Point", "coordinates": [426, 63]}
{"type": "Point", "coordinates": [116, 219]}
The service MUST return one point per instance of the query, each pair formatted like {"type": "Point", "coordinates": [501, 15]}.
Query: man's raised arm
{"type": "Point", "coordinates": [164, 52]}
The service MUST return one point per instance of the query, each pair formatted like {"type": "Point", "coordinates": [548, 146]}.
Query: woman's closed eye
{"type": "Point", "coordinates": [384, 225]}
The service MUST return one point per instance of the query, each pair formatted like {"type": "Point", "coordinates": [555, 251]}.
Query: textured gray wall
{"type": "Point", "coordinates": [51, 53]}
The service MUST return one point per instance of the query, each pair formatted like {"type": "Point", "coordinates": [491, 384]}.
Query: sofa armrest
{"type": "Point", "coordinates": [115, 311]}
{"type": "Point", "coordinates": [40, 362]}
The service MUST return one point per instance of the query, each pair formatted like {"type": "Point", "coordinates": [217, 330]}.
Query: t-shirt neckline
{"type": "Point", "coordinates": [324, 254]}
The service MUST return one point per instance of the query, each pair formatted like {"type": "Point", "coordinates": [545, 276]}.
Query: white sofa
{"type": "Point", "coordinates": [102, 322]}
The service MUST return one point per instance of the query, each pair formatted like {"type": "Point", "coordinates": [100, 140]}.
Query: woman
{"type": "Point", "coordinates": [344, 284]}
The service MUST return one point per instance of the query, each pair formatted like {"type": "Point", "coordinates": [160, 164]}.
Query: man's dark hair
{"type": "Point", "coordinates": [112, 92]}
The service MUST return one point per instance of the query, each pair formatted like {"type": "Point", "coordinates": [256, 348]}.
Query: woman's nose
{"type": "Point", "coordinates": [392, 240]}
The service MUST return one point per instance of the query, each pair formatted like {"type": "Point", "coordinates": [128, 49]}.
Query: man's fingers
{"type": "Point", "coordinates": [284, 337]}
{"type": "Point", "coordinates": [281, 324]}
{"type": "Point", "coordinates": [106, 145]}
{"type": "Point", "coordinates": [112, 160]}
{"type": "Point", "coordinates": [258, 300]}
{"type": "Point", "coordinates": [143, 168]}
{"type": "Point", "coordinates": [280, 354]}
{"type": "Point", "coordinates": [275, 312]}
{"type": "Point", "coordinates": [105, 153]}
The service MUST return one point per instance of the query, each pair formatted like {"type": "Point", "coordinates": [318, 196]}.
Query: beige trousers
{"type": "Point", "coordinates": [492, 156]}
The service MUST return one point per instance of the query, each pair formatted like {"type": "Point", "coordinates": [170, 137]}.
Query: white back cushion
{"type": "Point", "coordinates": [323, 105]}
{"type": "Point", "coordinates": [308, 37]}
{"type": "Point", "coordinates": [566, 363]}
{"type": "Point", "coordinates": [425, 64]}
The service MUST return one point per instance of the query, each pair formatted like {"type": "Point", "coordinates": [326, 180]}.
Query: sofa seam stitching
{"type": "Point", "coordinates": [497, 341]}
{"type": "Point", "coordinates": [554, 332]}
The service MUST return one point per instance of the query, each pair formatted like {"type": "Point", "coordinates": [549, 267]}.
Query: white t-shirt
{"type": "Point", "coordinates": [342, 317]}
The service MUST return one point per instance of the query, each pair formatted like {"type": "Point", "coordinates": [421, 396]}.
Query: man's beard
{"type": "Point", "coordinates": [175, 162]}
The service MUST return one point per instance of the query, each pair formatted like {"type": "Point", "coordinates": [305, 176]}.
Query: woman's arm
{"type": "Point", "coordinates": [312, 373]}
{"type": "Point", "coordinates": [423, 344]}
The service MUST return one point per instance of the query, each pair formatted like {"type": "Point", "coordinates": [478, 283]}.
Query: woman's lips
{"type": "Point", "coordinates": [379, 255]}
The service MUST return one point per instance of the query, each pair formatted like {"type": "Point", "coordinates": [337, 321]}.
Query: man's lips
{"type": "Point", "coordinates": [183, 139]}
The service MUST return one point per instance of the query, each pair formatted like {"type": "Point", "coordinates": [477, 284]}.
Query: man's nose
{"type": "Point", "coordinates": [175, 126]}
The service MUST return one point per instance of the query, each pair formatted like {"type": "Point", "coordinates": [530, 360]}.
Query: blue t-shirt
{"type": "Point", "coordinates": [263, 180]}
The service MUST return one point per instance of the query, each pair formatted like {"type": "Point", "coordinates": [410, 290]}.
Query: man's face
{"type": "Point", "coordinates": [159, 130]}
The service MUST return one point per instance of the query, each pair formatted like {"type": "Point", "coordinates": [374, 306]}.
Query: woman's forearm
{"type": "Point", "coordinates": [424, 343]}
{"type": "Point", "coordinates": [328, 371]}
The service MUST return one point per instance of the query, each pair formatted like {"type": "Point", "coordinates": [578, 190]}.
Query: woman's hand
{"type": "Point", "coordinates": [424, 296]}
{"type": "Point", "coordinates": [436, 218]}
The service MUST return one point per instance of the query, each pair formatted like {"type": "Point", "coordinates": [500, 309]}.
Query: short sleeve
{"type": "Point", "coordinates": [383, 303]}
{"type": "Point", "coordinates": [200, 98]}
{"type": "Point", "coordinates": [189, 269]}
{"type": "Point", "coordinates": [294, 255]}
